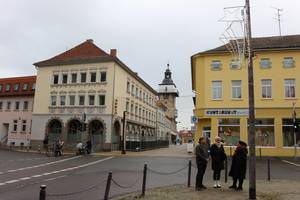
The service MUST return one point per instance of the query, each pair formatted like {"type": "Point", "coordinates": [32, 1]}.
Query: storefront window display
{"type": "Point", "coordinates": [288, 133]}
{"type": "Point", "coordinates": [264, 132]}
{"type": "Point", "coordinates": [229, 131]}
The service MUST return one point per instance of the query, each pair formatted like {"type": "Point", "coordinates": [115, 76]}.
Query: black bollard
{"type": "Point", "coordinates": [108, 183]}
{"type": "Point", "coordinates": [226, 170]}
{"type": "Point", "coordinates": [144, 180]}
{"type": "Point", "coordinates": [43, 192]}
{"type": "Point", "coordinates": [269, 170]}
{"type": "Point", "coordinates": [189, 173]}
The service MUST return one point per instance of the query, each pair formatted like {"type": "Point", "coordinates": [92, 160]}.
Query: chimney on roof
{"type": "Point", "coordinates": [113, 52]}
{"type": "Point", "coordinates": [90, 40]}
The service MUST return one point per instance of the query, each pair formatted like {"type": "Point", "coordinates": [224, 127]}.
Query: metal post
{"type": "Point", "coordinates": [144, 180]}
{"type": "Point", "coordinates": [123, 135]}
{"type": "Point", "coordinates": [226, 170]}
{"type": "Point", "coordinates": [260, 152]}
{"type": "Point", "coordinates": [230, 151]}
{"type": "Point", "coordinates": [189, 173]}
{"type": "Point", "coordinates": [108, 183]}
{"type": "Point", "coordinates": [252, 158]}
{"type": "Point", "coordinates": [42, 192]}
{"type": "Point", "coordinates": [269, 169]}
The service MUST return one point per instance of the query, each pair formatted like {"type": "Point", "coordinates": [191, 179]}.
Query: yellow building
{"type": "Point", "coordinates": [221, 88]}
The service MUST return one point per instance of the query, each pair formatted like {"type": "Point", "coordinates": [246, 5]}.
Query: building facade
{"type": "Point", "coordinates": [16, 105]}
{"type": "Point", "coordinates": [82, 94]}
{"type": "Point", "coordinates": [221, 87]}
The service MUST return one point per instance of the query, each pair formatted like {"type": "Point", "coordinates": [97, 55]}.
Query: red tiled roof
{"type": "Point", "coordinates": [85, 50]}
{"type": "Point", "coordinates": [20, 90]}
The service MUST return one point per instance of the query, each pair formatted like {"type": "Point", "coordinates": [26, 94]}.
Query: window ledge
{"type": "Point", "coordinates": [217, 99]}
{"type": "Point", "coordinates": [292, 98]}
{"type": "Point", "coordinates": [267, 99]}
{"type": "Point", "coordinates": [237, 99]}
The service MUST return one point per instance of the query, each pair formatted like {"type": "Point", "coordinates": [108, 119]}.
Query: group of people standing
{"type": "Point", "coordinates": [218, 156]}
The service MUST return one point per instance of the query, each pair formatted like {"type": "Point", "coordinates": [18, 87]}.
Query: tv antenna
{"type": "Point", "coordinates": [278, 17]}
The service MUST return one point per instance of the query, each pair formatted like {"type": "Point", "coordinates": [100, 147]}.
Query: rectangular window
{"type": "Point", "coordinates": [137, 92]}
{"type": "Point", "coordinates": [229, 131]}
{"type": "Point", "coordinates": [132, 90]}
{"type": "Point", "coordinates": [216, 65]}
{"type": "Point", "coordinates": [266, 88]}
{"type": "Point", "coordinates": [236, 88]}
{"type": "Point", "coordinates": [93, 77]}
{"type": "Point", "coordinates": [290, 88]}
{"type": "Point", "coordinates": [53, 100]}
{"type": "Point", "coordinates": [140, 111]}
{"type": "Point", "coordinates": [288, 133]}
{"type": "Point", "coordinates": [71, 100]}
{"type": "Point", "coordinates": [16, 87]}
{"type": "Point", "coordinates": [17, 105]}
{"type": "Point", "coordinates": [55, 79]}
{"type": "Point", "coordinates": [235, 64]}
{"type": "Point", "coordinates": [24, 125]}
{"type": "Point", "coordinates": [65, 78]}
{"type": "Point", "coordinates": [264, 132]}
{"type": "Point", "coordinates": [62, 100]}
{"type": "Point", "coordinates": [25, 86]}
{"type": "Point", "coordinates": [15, 125]}
{"type": "Point", "coordinates": [83, 77]}
{"type": "Point", "coordinates": [7, 88]}
{"type": "Point", "coordinates": [25, 105]}
{"type": "Point", "coordinates": [127, 106]}
{"type": "Point", "coordinates": [1, 87]}
{"type": "Point", "coordinates": [1, 105]}
{"type": "Point", "coordinates": [81, 100]}
{"type": "Point", "coordinates": [131, 108]}
{"type": "Point", "coordinates": [74, 78]}
{"type": "Point", "coordinates": [33, 86]}
{"type": "Point", "coordinates": [91, 100]}
{"type": "Point", "coordinates": [288, 62]}
{"type": "Point", "coordinates": [136, 110]}
{"type": "Point", "coordinates": [216, 89]}
{"type": "Point", "coordinates": [128, 87]}
{"type": "Point", "coordinates": [265, 63]}
{"type": "Point", "coordinates": [8, 105]}
{"type": "Point", "coordinates": [102, 76]}
{"type": "Point", "coordinates": [101, 100]}
{"type": "Point", "coordinates": [140, 94]}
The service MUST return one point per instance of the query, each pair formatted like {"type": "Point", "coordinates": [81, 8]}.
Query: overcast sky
{"type": "Point", "coordinates": [147, 33]}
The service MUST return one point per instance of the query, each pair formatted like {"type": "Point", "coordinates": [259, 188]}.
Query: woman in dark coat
{"type": "Point", "coordinates": [239, 165]}
{"type": "Point", "coordinates": [218, 157]}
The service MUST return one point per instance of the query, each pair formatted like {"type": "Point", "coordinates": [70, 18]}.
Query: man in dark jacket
{"type": "Point", "coordinates": [239, 165]}
{"type": "Point", "coordinates": [202, 157]}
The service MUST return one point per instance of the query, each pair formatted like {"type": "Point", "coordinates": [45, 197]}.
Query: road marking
{"type": "Point", "coordinates": [51, 179]}
{"type": "Point", "coordinates": [291, 163]}
{"type": "Point", "coordinates": [54, 172]}
{"type": "Point", "coordinates": [41, 165]}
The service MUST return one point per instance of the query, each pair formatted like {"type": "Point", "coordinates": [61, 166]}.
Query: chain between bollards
{"type": "Point", "coordinates": [269, 169]}
{"type": "Point", "coordinates": [108, 183]}
{"type": "Point", "coordinates": [144, 180]}
{"type": "Point", "coordinates": [43, 192]}
{"type": "Point", "coordinates": [189, 173]}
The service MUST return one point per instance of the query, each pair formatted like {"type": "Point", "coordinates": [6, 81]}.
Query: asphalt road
{"type": "Point", "coordinates": [84, 177]}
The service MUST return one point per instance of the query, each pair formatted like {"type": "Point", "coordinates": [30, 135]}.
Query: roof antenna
{"type": "Point", "coordinates": [278, 17]}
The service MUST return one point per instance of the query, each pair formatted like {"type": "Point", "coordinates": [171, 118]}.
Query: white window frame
{"type": "Point", "coordinates": [288, 87]}
{"type": "Point", "coordinates": [217, 88]}
{"type": "Point", "coordinates": [267, 88]}
{"type": "Point", "coordinates": [265, 63]}
{"type": "Point", "coordinates": [288, 62]}
{"type": "Point", "coordinates": [53, 100]}
{"type": "Point", "coordinates": [216, 65]}
{"type": "Point", "coordinates": [235, 89]}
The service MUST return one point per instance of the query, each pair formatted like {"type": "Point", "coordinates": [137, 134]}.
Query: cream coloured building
{"type": "Point", "coordinates": [86, 85]}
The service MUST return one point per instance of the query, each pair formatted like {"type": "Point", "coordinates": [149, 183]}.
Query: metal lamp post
{"type": "Point", "coordinates": [123, 134]}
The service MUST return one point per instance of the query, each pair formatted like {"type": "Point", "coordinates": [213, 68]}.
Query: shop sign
{"type": "Point", "coordinates": [226, 112]}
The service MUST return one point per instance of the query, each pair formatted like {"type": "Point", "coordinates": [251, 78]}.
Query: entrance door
{"type": "Point", "coordinates": [206, 133]}
{"type": "Point", "coordinates": [5, 135]}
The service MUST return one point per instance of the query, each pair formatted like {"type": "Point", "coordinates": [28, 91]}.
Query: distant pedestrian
{"type": "Point", "coordinates": [58, 147]}
{"type": "Point", "coordinates": [239, 165]}
{"type": "Point", "coordinates": [89, 146]}
{"type": "Point", "coordinates": [218, 157]}
{"type": "Point", "coordinates": [45, 144]}
{"type": "Point", "coordinates": [202, 157]}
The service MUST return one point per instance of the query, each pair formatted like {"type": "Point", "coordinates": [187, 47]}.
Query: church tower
{"type": "Point", "coordinates": [167, 94]}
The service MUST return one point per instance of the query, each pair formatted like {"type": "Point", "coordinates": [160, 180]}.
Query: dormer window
{"type": "Point", "coordinates": [265, 63]}
{"type": "Point", "coordinates": [16, 87]}
{"type": "Point", "coordinates": [288, 62]}
{"type": "Point", "coordinates": [216, 65]}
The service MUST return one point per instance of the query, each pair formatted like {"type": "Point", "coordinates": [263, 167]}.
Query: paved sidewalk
{"type": "Point", "coordinates": [273, 190]}
{"type": "Point", "coordinates": [171, 151]}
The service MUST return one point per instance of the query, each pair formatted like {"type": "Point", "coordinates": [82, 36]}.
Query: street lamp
{"type": "Point", "coordinates": [123, 134]}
